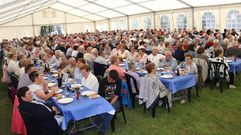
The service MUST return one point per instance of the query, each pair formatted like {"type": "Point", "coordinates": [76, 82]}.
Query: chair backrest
{"type": "Point", "coordinates": [128, 81]}
{"type": "Point", "coordinates": [99, 78]}
{"type": "Point", "coordinates": [218, 70]}
{"type": "Point", "coordinates": [90, 63]}
{"type": "Point", "coordinates": [14, 80]}
{"type": "Point", "coordinates": [200, 78]}
{"type": "Point", "coordinates": [99, 69]}
{"type": "Point", "coordinates": [27, 118]}
{"type": "Point", "coordinates": [204, 66]}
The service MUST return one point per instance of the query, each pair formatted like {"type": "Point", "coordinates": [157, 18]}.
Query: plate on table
{"type": "Point", "coordinates": [160, 69]}
{"type": "Point", "coordinates": [65, 100]}
{"type": "Point", "coordinates": [55, 75]}
{"type": "Point", "coordinates": [166, 76]}
{"type": "Point", "coordinates": [144, 71]}
{"type": "Point", "coordinates": [57, 92]}
{"type": "Point", "coordinates": [54, 71]}
{"type": "Point", "coordinates": [122, 64]}
{"type": "Point", "coordinates": [90, 94]}
{"type": "Point", "coordinates": [228, 61]}
{"type": "Point", "coordinates": [51, 84]}
{"type": "Point", "coordinates": [73, 86]}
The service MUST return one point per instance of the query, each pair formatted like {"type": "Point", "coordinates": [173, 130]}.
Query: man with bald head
{"type": "Point", "coordinates": [234, 51]}
{"type": "Point", "coordinates": [71, 67]}
{"type": "Point", "coordinates": [154, 57]}
{"type": "Point", "coordinates": [169, 62]}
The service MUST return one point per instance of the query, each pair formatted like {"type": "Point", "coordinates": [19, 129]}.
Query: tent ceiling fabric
{"type": "Point", "coordinates": [97, 9]}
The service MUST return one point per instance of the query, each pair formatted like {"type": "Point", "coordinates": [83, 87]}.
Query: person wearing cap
{"type": "Point", "coordinates": [142, 56]}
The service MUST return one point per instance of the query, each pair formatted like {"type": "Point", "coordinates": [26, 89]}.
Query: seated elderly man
{"type": "Point", "coordinates": [89, 80]}
{"type": "Point", "coordinates": [169, 62]}
{"type": "Point", "coordinates": [154, 57]}
{"type": "Point", "coordinates": [44, 118]}
{"type": "Point", "coordinates": [234, 51]}
{"type": "Point", "coordinates": [71, 67]}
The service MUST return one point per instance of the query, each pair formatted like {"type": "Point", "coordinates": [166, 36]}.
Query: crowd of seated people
{"type": "Point", "coordinates": [74, 55]}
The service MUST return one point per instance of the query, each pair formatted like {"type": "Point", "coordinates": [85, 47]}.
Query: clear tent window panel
{"type": "Point", "coordinates": [208, 21]}
{"type": "Point", "coordinates": [147, 23]}
{"type": "Point", "coordinates": [87, 28]}
{"type": "Point", "coordinates": [181, 21]}
{"type": "Point", "coordinates": [134, 24]}
{"type": "Point", "coordinates": [165, 22]}
{"type": "Point", "coordinates": [232, 19]}
{"type": "Point", "coordinates": [114, 26]}
{"type": "Point", "coordinates": [122, 25]}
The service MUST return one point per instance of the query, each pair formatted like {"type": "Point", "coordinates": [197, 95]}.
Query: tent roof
{"type": "Point", "coordinates": [98, 9]}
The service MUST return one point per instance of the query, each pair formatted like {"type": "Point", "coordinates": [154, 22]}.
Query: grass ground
{"type": "Point", "coordinates": [212, 113]}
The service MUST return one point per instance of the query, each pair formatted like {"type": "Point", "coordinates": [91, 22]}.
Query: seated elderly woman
{"type": "Point", "coordinates": [44, 118]}
{"type": "Point", "coordinates": [187, 67]}
{"type": "Point", "coordinates": [229, 75]}
{"type": "Point", "coordinates": [39, 87]}
{"type": "Point", "coordinates": [115, 61]}
{"type": "Point", "coordinates": [151, 88]}
{"type": "Point", "coordinates": [132, 72]}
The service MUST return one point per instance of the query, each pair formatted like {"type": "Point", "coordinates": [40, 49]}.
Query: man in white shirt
{"type": "Point", "coordinates": [154, 57]}
{"type": "Point", "coordinates": [89, 80]}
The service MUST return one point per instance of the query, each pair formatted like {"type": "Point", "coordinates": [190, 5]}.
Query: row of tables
{"type": "Point", "coordinates": [86, 107]}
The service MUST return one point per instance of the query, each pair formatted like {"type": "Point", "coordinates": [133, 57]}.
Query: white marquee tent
{"type": "Point", "coordinates": [24, 17]}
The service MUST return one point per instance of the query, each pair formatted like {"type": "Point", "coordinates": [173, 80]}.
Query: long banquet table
{"type": "Point", "coordinates": [82, 108]}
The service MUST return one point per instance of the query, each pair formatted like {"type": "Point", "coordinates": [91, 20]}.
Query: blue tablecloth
{"type": "Point", "coordinates": [235, 66]}
{"type": "Point", "coordinates": [177, 83]}
{"type": "Point", "coordinates": [82, 108]}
